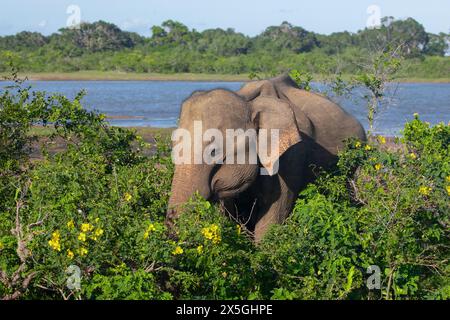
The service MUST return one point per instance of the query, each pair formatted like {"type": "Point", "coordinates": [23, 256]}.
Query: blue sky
{"type": "Point", "coordinates": [247, 16]}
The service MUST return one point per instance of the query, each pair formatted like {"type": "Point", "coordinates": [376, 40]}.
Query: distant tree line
{"type": "Point", "coordinates": [173, 47]}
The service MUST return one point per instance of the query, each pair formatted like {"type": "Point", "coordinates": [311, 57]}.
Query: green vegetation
{"type": "Point", "coordinates": [96, 208]}
{"type": "Point", "coordinates": [102, 50]}
{"type": "Point", "coordinates": [119, 75]}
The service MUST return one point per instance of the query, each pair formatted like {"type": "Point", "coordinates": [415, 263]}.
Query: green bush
{"type": "Point", "coordinates": [98, 206]}
{"type": "Point", "coordinates": [393, 213]}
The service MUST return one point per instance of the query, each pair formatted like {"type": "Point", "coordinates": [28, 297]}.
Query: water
{"type": "Point", "coordinates": [157, 103]}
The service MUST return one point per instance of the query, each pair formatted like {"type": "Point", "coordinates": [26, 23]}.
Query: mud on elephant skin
{"type": "Point", "coordinates": [312, 130]}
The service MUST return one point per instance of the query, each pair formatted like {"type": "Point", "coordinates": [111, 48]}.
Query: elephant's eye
{"type": "Point", "coordinates": [213, 152]}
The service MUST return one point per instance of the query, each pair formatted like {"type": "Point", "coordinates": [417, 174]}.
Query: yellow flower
{"type": "Point", "coordinates": [56, 235]}
{"type": "Point", "coordinates": [54, 241]}
{"type": "Point", "coordinates": [381, 139]}
{"type": "Point", "coordinates": [98, 232]}
{"type": "Point", "coordinates": [448, 192]}
{"type": "Point", "coordinates": [239, 229]}
{"type": "Point", "coordinates": [448, 179]}
{"type": "Point", "coordinates": [150, 228]}
{"type": "Point", "coordinates": [97, 220]}
{"type": "Point", "coordinates": [358, 144]}
{"type": "Point", "coordinates": [128, 197]}
{"type": "Point", "coordinates": [70, 254]}
{"type": "Point", "coordinates": [82, 236]}
{"type": "Point", "coordinates": [212, 233]}
{"type": "Point", "coordinates": [368, 148]}
{"type": "Point", "coordinates": [70, 224]}
{"type": "Point", "coordinates": [200, 249]}
{"type": "Point", "coordinates": [378, 166]}
{"type": "Point", "coordinates": [207, 233]}
{"type": "Point", "coordinates": [55, 245]}
{"type": "Point", "coordinates": [86, 227]}
{"type": "Point", "coordinates": [1, 246]}
{"type": "Point", "coordinates": [178, 250]}
{"type": "Point", "coordinates": [413, 156]}
{"type": "Point", "coordinates": [425, 190]}
{"type": "Point", "coordinates": [83, 251]}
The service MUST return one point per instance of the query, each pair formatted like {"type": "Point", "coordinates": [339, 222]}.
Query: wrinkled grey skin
{"type": "Point", "coordinates": [312, 130]}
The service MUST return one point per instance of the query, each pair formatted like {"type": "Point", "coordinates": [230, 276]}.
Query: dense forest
{"type": "Point", "coordinates": [174, 48]}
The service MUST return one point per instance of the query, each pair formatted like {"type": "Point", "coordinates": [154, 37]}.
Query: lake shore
{"type": "Point", "coordinates": [132, 76]}
{"type": "Point", "coordinates": [129, 76]}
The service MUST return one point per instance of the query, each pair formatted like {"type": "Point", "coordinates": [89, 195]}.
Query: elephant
{"type": "Point", "coordinates": [312, 130]}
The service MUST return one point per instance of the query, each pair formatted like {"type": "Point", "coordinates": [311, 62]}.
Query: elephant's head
{"type": "Point", "coordinates": [209, 115]}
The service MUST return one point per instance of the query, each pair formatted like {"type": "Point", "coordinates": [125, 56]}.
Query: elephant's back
{"type": "Point", "coordinates": [331, 124]}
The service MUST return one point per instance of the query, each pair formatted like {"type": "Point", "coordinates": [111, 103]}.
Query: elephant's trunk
{"type": "Point", "coordinates": [187, 180]}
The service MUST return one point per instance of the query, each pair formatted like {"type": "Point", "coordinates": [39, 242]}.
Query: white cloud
{"type": "Point", "coordinates": [135, 24]}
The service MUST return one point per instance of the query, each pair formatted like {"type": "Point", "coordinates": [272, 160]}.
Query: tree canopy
{"type": "Point", "coordinates": [173, 47]}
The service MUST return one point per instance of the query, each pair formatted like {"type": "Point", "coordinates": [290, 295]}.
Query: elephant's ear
{"type": "Point", "coordinates": [271, 116]}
